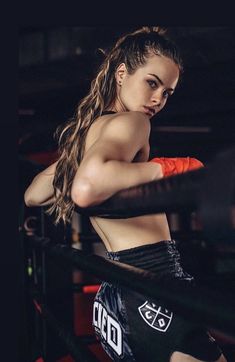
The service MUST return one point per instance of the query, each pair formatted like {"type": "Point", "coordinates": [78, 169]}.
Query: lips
{"type": "Point", "coordinates": [150, 111]}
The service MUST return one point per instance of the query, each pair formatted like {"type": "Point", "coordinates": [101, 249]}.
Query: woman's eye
{"type": "Point", "coordinates": [152, 83]}
{"type": "Point", "coordinates": [166, 94]}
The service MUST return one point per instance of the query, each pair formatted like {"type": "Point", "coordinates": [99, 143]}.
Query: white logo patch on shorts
{"type": "Point", "coordinates": [107, 327]}
{"type": "Point", "coordinates": [156, 316]}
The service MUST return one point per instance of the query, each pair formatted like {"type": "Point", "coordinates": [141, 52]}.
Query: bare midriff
{"type": "Point", "coordinates": [121, 234]}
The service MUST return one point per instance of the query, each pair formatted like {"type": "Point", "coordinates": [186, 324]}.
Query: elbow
{"type": "Point", "coordinates": [30, 199]}
{"type": "Point", "coordinates": [82, 193]}
{"type": "Point", "coordinates": [27, 200]}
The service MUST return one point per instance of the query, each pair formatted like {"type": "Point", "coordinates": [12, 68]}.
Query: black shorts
{"type": "Point", "coordinates": [134, 327]}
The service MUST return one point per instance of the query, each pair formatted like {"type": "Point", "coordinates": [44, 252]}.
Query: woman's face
{"type": "Point", "coordinates": [148, 88]}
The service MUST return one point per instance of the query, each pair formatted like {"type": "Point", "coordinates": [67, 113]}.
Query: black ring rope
{"type": "Point", "coordinates": [211, 191]}
{"type": "Point", "coordinates": [165, 195]}
{"type": "Point", "coordinates": [213, 309]}
{"type": "Point", "coordinates": [79, 351]}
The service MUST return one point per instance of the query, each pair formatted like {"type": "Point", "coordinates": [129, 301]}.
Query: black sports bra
{"type": "Point", "coordinates": [107, 112]}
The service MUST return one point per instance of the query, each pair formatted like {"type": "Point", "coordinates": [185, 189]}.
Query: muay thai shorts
{"type": "Point", "coordinates": [134, 327]}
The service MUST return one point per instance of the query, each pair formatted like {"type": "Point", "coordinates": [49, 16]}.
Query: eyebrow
{"type": "Point", "coordinates": [160, 81]}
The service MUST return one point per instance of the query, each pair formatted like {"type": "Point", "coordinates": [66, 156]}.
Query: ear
{"type": "Point", "coordinates": [120, 73]}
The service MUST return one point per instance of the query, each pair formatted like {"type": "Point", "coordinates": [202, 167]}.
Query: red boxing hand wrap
{"type": "Point", "coordinates": [176, 165]}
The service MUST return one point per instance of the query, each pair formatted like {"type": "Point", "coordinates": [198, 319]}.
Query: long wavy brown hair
{"type": "Point", "coordinates": [131, 49]}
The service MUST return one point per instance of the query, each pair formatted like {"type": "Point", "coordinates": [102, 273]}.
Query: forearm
{"type": "Point", "coordinates": [96, 185]}
{"type": "Point", "coordinates": [41, 192]}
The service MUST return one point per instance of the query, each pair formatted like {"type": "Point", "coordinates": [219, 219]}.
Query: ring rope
{"type": "Point", "coordinates": [215, 310]}
{"type": "Point", "coordinates": [210, 191]}
{"type": "Point", "coordinates": [74, 344]}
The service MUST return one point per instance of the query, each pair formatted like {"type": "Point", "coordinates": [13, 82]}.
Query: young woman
{"type": "Point", "coordinates": [103, 150]}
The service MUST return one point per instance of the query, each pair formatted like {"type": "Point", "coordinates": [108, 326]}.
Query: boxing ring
{"type": "Point", "coordinates": [211, 193]}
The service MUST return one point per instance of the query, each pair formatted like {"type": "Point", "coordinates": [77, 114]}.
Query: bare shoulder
{"type": "Point", "coordinates": [133, 117]}
{"type": "Point", "coordinates": [119, 136]}
{"type": "Point", "coordinates": [133, 122]}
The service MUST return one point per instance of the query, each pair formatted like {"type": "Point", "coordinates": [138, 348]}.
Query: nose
{"type": "Point", "coordinates": [157, 99]}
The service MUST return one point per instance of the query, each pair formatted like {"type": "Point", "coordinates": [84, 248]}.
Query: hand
{"type": "Point", "coordinates": [177, 165]}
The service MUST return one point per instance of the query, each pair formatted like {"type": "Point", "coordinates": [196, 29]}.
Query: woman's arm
{"type": "Point", "coordinates": [40, 192]}
{"type": "Point", "coordinates": [107, 166]}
